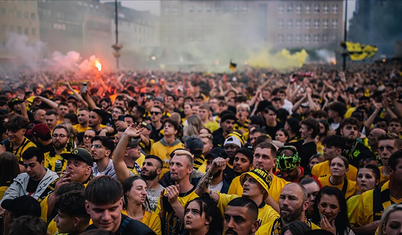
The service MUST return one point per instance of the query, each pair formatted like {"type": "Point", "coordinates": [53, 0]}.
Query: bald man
{"type": "Point", "coordinates": [373, 139]}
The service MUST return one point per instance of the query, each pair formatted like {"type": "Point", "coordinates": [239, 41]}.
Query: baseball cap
{"type": "Point", "coordinates": [81, 154]}
{"type": "Point", "coordinates": [262, 177]}
{"type": "Point", "coordinates": [287, 163]}
{"type": "Point", "coordinates": [158, 98]}
{"type": "Point", "coordinates": [133, 143]}
{"type": "Point", "coordinates": [217, 152]}
{"type": "Point", "coordinates": [147, 125]}
{"type": "Point", "coordinates": [24, 205]}
{"type": "Point", "coordinates": [233, 140]}
{"type": "Point", "coordinates": [40, 130]}
{"type": "Point", "coordinates": [195, 145]}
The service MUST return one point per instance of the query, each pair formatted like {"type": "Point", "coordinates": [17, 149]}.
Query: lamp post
{"type": "Point", "coordinates": [117, 31]}
{"type": "Point", "coordinates": [344, 55]}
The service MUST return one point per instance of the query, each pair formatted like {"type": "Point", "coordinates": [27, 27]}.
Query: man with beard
{"type": "Point", "coordinates": [354, 151]}
{"type": "Point", "coordinates": [101, 149]}
{"type": "Point", "coordinates": [156, 116]}
{"type": "Point", "coordinates": [219, 183]}
{"type": "Point", "coordinates": [96, 119]}
{"type": "Point", "coordinates": [150, 172]}
{"type": "Point", "coordinates": [241, 217]}
{"type": "Point", "coordinates": [226, 126]}
{"type": "Point", "coordinates": [373, 139]}
{"type": "Point", "coordinates": [53, 159]}
{"type": "Point", "coordinates": [34, 182]}
{"type": "Point", "coordinates": [83, 117]}
{"type": "Point", "coordinates": [255, 184]}
{"type": "Point", "coordinates": [138, 113]}
{"type": "Point", "coordinates": [171, 205]}
{"type": "Point", "coordinates": [62, 109]}
{"type": "Point", "coordinates": [293, 204]}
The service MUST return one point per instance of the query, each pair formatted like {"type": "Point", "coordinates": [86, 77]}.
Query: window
{"type": "Point", "coordinates": [209, 7]}
{"type": "Point", "coordinates": [334, 38]}
{"type": "Point", "coordinates": [26, 15]}
{"type": "Point", "coordinates": [166, 10]}
{"type": "Point", "coordinates": [316, 38]}
{"type": "Point", "coordinates": [245, 9]}
{"type": "Point", "coordinates": [19, 14]}
{"type": "Point", "coordinates": [12, 28]}
{"type": "Point", "coordinates": [334, 8]}
{"type": "Point", "coordinates": [26, 31]}
{"type": "Point", "coordinates": [3, 11]}
{"type": "Point", "coordinates": [280, 38]}
{"type": "Point", "coordinates": [3, 28]}
{"type": "Point", "coordinates": [218, 8]}
{"type": "Point", "coordinates": [316, 23]}
{"type": "Point", "coordinates": [33, 16]}
{"type": "Point", "coordinates": [19, 29]}
{"type": "Point", "coordinates": [316, 8]}
{"type": "Point", "coordinates": [307, 23]}
{"type": "Point", "coordinates": [307, 38]}
{"type": "Point", "coordinates": [280, 24]}
{"type": "Point", "coordinates": [334, 23]}
{"type": "Point", "coordinates": [290, 8]}
{"type": "Point", "coordinates": [289, 23]}
{"type": "Point", "coordinates": [325, 38]}
{"type": "Point", "coordinates": [325, 23]}
{"type": "Point", "coordinates": [298, 23]}
{"type": "Point", "coordinates": [280, 8]}
{"type": "Point", "coordinates": [33, 31]}
{"type": "Point", "coordinates": [289, 38]}
{"type": "Point", "coordinates": [298, 8]}
{"type": "Point", "coordinates": [298, 38]}
{"type": "Point", "coordinates": [325, 8]}
{"type": "Point", "coordinates": [236, 8]}
{"type": "Point", "coordinates": [175, 10]}
{"type": "Point", "coordinates": [307, 8]}
{"type": "Point", "coordinates": [191, 8]}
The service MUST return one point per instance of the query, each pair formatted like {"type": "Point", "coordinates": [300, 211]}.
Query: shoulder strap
{"type": "Point", "coordinates": [345, 186]}
{"type": "Point", "coordinates": [123, 226]}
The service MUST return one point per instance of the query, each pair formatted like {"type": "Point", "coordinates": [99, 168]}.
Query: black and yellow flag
{"type": "Point", "coordinates": [232, 65]}
{"type": "Point", "coordinates": [359, 51]}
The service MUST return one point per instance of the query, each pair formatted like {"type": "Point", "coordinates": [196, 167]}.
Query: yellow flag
{"type": "Point", "coordinates": [359, 51]}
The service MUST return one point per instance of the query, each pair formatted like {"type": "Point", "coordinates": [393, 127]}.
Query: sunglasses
{"type": "Point", "coordinates": [155, 113]}
{"type": "Point", "coordinates": [88, 136]}
{"type": "Point", "coordinates": [97, 146]}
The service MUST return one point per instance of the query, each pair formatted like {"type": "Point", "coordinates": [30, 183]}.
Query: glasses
{"type": "Point", "coordinates": [59, 136]}
{"type": "Point", "coordinates": [88, 136]}
{"type": "Point", "coordinates": [155, 113]}
{"type": "Point", "coordinates": [97, 146]}
{"type": "Point", "coordinates": [115, 111]}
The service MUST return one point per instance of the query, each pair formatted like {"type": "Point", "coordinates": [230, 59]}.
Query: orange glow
{"type": "Point", "coordinates": [98, 65]}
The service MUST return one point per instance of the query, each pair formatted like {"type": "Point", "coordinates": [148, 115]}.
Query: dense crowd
{"type": "Point", "coordinates": [309, 151]}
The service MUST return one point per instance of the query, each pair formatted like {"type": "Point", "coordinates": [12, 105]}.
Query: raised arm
{"type": "Point", "coordinates": [202, 186]}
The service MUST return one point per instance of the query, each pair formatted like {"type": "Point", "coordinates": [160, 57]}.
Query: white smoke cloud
{"type": "Point", "coordinates": [33, 55]}
{"type": "Point", "coordinates": [326, 55]}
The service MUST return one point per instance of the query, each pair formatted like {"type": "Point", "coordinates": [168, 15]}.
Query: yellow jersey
{"type": "Point", "coordinates": [322, 170]}
{"type": "Point", "coordinates": [352, 209]}
{"type": "Point", "coordinates": [274, 191]}
{"type": "Point", "coordinates": [26, 144]}
{"type": "Point", "coordinates": [80, 129]}
{"type": "Point", "coordinates": [212, 126]}
{"type": "Point", "coordinates": [383, 178]}
{"type": "Point", "coordinates": [163, 152]}
{"type": "Point", "coordinates": [348, 187]}
{"type": "Point", "coordinates": [150, 219]}
{"type": "Point", "coordinates": [51, 158]}
{"type": "Point", "coordinates": [274, 227]}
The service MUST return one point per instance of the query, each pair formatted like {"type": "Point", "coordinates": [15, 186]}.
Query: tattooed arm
{"type": "Point", "coordinates": [202, 186]}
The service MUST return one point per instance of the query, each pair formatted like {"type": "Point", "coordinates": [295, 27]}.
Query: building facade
{"type": "Point", "coordinates": [19, 17]}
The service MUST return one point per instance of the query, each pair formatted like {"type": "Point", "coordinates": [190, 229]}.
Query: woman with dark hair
{"type": "Point", "coordinates": [330, 211]}
{"type": "Point", "coordinates": [137, 205]}
{"type": "Point", "coordinates": [9, 169]}
{"type": "Point", "coordinates": [338, 167]}
{"type": "Point", "coordinates": [202, 217]}
{"type": "Point", "coordinates": [295, 228]}
{"type": "Point", "coordinates": [282, 135]}
{"type": "Point", "coordinates": [368, 177]}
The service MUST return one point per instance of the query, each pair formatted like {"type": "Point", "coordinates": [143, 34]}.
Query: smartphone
{"type": "Point", "coordinates": [84, 87]}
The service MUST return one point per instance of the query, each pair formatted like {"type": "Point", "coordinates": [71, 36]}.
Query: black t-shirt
{"type": "Point", "coordinates": [129, 226]}
{"type": "Point", "coordinates": [32, 185]}
{"type": "Point", "coordinates": [271, 131]}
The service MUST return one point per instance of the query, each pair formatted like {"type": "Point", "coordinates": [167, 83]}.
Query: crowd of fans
{"type": "Point", "coordinates": [312, 151]}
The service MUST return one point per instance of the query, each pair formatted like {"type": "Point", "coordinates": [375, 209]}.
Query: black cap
{"type": "Point", "coordinates": [81, 154]}
{"type": "Point", "coordinates": [195, 145]}
{"type": "Point", "coordinates": [133, 143]}
{"type": "Point", "coordinates": [217, 152]}
{"type": "Point", "coordinates": [24, 205]}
